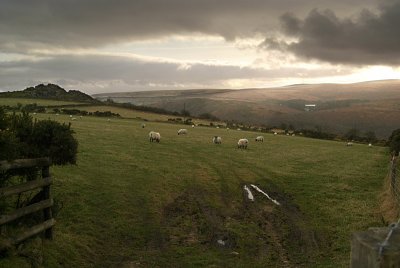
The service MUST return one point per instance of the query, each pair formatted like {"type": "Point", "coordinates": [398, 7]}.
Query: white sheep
{"type": "Point", "coordinates": [73, 118]}
{"type": "Point", "coordinates": [143, 125]}
{"type": "Point", "coordinates": [370, 145]}
{"type": "Point", "coordinates": [349, 144]}
{"type": "Point", "coordinates": [182, 131]}
{"type": "Point", "coordinates": [192, 125]}
{"type": "Point", "coordinates": [154, 136]}
{"type": "Point", "coordinates": [242, 143]}
{"type": "Point", "coordinates": [260, 138]}
{"type": "Point", "coordinates": [217, 140]}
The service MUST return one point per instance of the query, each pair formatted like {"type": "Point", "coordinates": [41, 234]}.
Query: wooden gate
{"type": "Point", "coordinates": [44, 204]}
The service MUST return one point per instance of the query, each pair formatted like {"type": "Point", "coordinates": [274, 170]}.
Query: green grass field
{"type": "Point", "coordinates": [132, 203]}
{"type": "Point", "coordinates": [40, 102]}
{"type": "Point", "coordinates": [133, 114]}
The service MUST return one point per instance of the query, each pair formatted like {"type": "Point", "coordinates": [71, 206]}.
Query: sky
{"type": "Point", "coordinates": [99, 46]}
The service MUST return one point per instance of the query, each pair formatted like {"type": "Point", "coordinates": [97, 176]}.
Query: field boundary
{"type": "Point", "coordinates": [44, 204]}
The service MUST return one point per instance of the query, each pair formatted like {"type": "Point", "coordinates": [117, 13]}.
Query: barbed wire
{"type": "Point", "coordinates": [385, 242]}
{"type": "Point", "coordinates": [394, 176]}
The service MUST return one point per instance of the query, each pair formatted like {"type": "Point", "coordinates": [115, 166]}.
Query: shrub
{"type": "Point", "coordinates": [55, 140]}
{"type": "Point", "coordinates": [21, 137]}
{"type": "Point", "coordinates": [394, 141]}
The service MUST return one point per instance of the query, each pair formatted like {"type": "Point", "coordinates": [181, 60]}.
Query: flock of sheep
{"type": "Point", "coordinates": [242, 143]}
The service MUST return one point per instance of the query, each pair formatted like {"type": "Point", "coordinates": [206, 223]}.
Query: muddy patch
{"type": "Point", "coordinates": [258, 230]}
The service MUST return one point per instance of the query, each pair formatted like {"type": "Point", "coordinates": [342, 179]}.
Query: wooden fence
{"type": "Point", "coordinates": [44, 204]}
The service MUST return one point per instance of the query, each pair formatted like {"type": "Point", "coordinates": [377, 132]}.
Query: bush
{"type": "Point", "coordinates": [20, 137]}
{"type": "Point", "coordinates": [394, 141]}
{"type": "Point", "coordinates": [55, 140]}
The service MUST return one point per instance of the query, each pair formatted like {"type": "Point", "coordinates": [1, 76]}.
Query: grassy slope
{"type": "Point", "coordinates": [42, 102]}
{"type": "Point", "coordinates": [119, 199]}
{"type": "Point", "coordinates": [379, 110]}
{"type": "Point", "coordinates": [134, 114]}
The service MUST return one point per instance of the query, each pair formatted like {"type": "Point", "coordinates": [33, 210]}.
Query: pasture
{"type": "Point", "coordinates": [132, 203]}
{"type": "Point", "coordinates": [140, 115]}
{"type": "Point", "coordinates": [41, 102]}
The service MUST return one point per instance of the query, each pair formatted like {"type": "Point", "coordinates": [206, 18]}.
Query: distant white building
{"type": "Point", "coordinates": [310, 107]}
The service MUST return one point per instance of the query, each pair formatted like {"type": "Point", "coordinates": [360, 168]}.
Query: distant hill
{"type": "Point", "coordinates": [367, 106]}
{"type": "Point", "coordinates": [49, 91]}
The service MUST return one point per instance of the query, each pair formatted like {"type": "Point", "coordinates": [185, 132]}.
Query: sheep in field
{"type": "Point", "coordinates": [182, 131]}
{"type": "Point", "coordinates": [349, 144]}
{"type": "Point", "coordinates": [217, 140]}
{"type": "Point", "coordinates": [242, 143]}
{"type": "Point", "coordinates": [260, 138]}
{"type": "Point", "coordinates": [143, 125]}
{"type": "Point", "coordinates": [154, 136]}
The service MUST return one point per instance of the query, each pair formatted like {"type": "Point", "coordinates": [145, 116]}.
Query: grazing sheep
{"type": "Point", "coordinates": [73, 118]}
{"type": "Point", "coordinates": [242, 143]}
{"type": "Point", "coordinates": [192, 125]}
{"type": "Point", "coordinates": [182, 131]}
{"type": "Point", "coordinates": [370, 145]}
{"type": "Point", "coordinates": [143, 125]}
{"type": "Point", "coordinates": [154, 136]}
{"type": "Point", "coordinates": [217, 140]}
{"type": "Point", "coordinates": [275, 133]}
{"type": "Point", "coordinates": [260, 138]}
{"type": "Point", "coordinates": [349, 144]}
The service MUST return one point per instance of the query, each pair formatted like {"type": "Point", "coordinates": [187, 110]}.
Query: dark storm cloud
{"type": "Point", "coordinates": [370, 38]}
{"type": "Point", "coordinates": [27, 24]}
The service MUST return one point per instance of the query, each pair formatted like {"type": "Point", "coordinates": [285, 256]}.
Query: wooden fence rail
{"type": "Point", "coordinates": [45, 204]}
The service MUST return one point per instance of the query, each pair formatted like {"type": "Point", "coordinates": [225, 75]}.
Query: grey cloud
{"type": "Point", "coordinates": [99, 73]}
{"type": "Point", "coordinates": [371, 38]}
{"type": "Point", "coordinates": [29, 24]}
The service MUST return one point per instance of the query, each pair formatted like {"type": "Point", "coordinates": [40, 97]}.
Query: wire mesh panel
{"type": "Point", "coordinates": [394, 178]}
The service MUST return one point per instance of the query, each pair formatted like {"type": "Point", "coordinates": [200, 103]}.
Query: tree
{"type": "Point", "coordinates": [370, 136]}
{"type": "Point", "coordinates": [353, 134]}
{"type": "Point", "coordinates": [185, 113]}
{"type": "Point", "coordinates": [394, 141]}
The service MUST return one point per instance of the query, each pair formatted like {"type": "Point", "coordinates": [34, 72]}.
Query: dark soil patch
{"type": "Point", "coordinates": [259, 230]}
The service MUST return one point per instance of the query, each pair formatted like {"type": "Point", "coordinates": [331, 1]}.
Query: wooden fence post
{"type": "Point", "coordinates": [47, 213]}
{"type": "Point", "coordinates": [44, 204]}
{"type": "Point", "coordinates": [366, 246]}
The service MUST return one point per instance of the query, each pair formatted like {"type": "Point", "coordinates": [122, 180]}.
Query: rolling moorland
{"type": "Point", "coordinates": [131, 203]}
{"type": "Point", "coordinates": [368, 106]}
